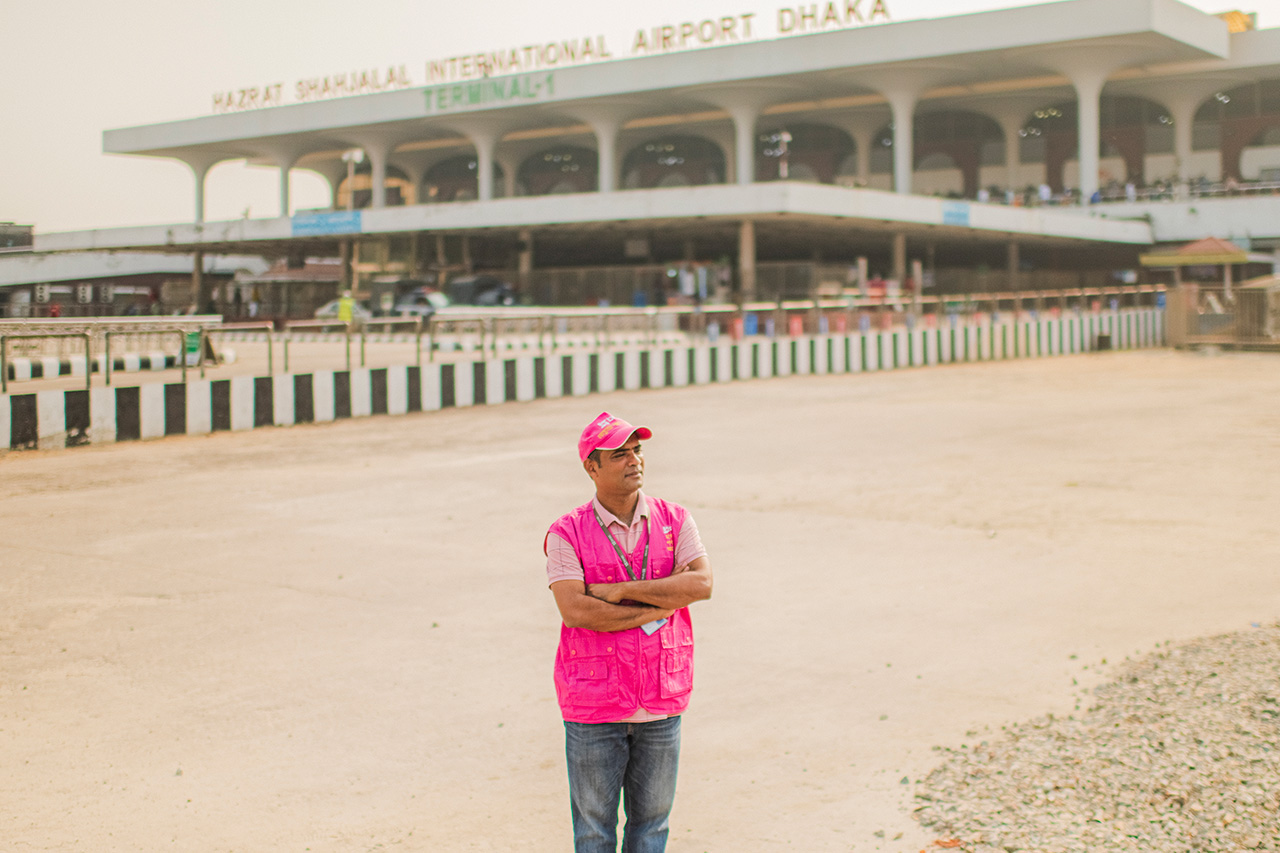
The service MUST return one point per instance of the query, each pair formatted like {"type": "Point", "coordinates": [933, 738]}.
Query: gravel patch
{"type": "Point", "coordinates": [1181, 752]}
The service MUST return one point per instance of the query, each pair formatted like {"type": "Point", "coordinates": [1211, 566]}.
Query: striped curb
{"type": "Point", "coordinates": [69, 418]}
{"type": "Point", "coordinates": [49, 367]}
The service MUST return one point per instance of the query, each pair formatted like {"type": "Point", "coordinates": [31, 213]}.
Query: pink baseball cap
{"type": "Point", "coordinates": [608, 433]}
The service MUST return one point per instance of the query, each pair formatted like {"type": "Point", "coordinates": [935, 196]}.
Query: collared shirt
{"type": "Point", "coordinates": [563, 563]}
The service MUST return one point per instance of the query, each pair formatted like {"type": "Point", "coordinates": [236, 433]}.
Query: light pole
{"type": "Point", "coordinates": [352, 156]}
{"type": "Point", "coordinates": [784, 169]}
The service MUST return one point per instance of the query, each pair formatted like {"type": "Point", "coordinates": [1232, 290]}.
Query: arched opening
{"type": "Point", "coordinates": [673, 161]}
{"type": "Point", "coordinates": [950, 146]}
{"type": "Point", "coordinates": [1237, 122]}
{"type": "Point", "coordinates": [398, 186]}
{"type": "Point", "coordinates": [939, 174]}
{"type": "Point", "coordinates": [881, 158]}
{"type": "Point", "coordinates": [1260, 159]}
{"type": "Point", "coordinates": [456, 179]}
{"type": "Point", "coordinates": [562, 169]}
{"type": "Point", "coordinates": [847, 173]}
{"type": "Point", "coordinates": [1130, 129]}
{"type": "Point", "coordinates": [802, 152]}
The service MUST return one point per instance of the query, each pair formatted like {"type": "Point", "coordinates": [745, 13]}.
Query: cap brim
{"type": "Point", "coordinates": [643, 432]}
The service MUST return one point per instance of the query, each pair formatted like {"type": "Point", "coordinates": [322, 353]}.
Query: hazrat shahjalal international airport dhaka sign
{"type": "Point", "coordinates": [466, 80]}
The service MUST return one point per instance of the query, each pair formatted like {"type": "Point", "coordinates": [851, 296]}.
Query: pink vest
{"type": "Point", "coordinates": [604, 677]}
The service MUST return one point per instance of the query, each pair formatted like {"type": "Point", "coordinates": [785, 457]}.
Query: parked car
{"type": "Point", "coordinates": [480, 289]}
{"type": "Point", "coordinates": [329, 311]}
{"type": "Point", "coordinates": [420, 303]}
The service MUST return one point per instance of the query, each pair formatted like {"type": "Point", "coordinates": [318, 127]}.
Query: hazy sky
{"type": "Point", "coordinates": [73, 68]}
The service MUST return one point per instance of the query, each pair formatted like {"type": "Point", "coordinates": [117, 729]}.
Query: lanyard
{"type": "Point", "coordinates": [644, 561]}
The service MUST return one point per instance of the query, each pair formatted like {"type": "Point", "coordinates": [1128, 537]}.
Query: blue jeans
{"type": "Point", "coordinates": [636, 760]}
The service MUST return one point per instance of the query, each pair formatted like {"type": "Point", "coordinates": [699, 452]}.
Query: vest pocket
{"type": "Point", "coordinates": [676, 676]}
{"type": "Point", "coordinates": [591, 672]}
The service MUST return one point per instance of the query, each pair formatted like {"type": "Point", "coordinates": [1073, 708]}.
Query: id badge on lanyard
{"type": "Point", "coordinates": [648, 627]}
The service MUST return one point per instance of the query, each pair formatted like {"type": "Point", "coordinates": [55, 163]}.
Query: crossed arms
{"type": "Point", "coordinates": [598, 606]}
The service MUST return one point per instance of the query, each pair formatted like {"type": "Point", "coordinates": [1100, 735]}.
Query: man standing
{"type": "Point", "coordinates": [623, 568]}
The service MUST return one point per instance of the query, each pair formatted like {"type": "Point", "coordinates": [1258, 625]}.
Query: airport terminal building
{"type": "Point", "coordinates": [1026, 148]}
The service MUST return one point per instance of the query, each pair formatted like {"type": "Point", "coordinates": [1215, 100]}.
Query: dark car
{"type": "Point", "coordinates": [480, 290]}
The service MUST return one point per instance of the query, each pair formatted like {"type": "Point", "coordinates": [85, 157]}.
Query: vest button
{"type": "Point", "coordinates": [609, 649]}
{"type": "Point", "coordinates": [573, 651]}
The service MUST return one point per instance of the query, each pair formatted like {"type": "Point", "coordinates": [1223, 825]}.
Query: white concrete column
{"type": "Point", "coordinates": [416, 174]}
{"type": "Point", "coordinates": [606, 120]}
{"type": "Point", "coordinates": [201, 172]}
{"type": "Point", "coordinates": [284, 157]}
{"type": "Point", "coordinates": [723, 138]}
{"type": "Point", "coordinates": [606, 155]}
{"type": "Point", "coordinates": [377, 148]}
{"type": "Point", "coordinates": [200, 167]}
{"type": "Point", "coordinates": [484, 135]}
{"type": "Point", "coordinates": [1184, 118]}
{"type": "Point", "coordinates": [485, 144]}
{"type": "Point", "coordinates": [903, 104]}
{"type": "Point", "coordinates": [864, 139]}
{"type": "Point", "coordinates": [510, 168]}
{"type": "Point", "coordinates": [861, 127]}
{"type": "Point", "coordinates": [1088, 70]}
{"type": "Point", "coordinates": [902, 89]}
{"type": "Point", "coordinates": [744, 143]}
{"type": "Point", "coordinates": [1012, 128]}
{"type": "Point", "coordinates": [285, 163]}
{"type": "Point", "coordinates": [377, 154]}
{"type": "Point", "coordinates": [1089, 128]}
{"type": "Point", "coordinates": [1011, 114]}
{"type": "Point", "coordinates": [744, 103]}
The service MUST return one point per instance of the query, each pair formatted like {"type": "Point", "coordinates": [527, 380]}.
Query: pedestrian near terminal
{"type": "Point", "coordinates": [624, 568]}
{"type": "Point", "coordinates": [346, 307]}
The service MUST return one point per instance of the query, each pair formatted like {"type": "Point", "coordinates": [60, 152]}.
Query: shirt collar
{"type": "Point", "coordinates": [642, 511]}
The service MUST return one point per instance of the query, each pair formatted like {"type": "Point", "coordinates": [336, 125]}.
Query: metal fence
{"type": "Point", "coordinates": [1247, 316]}
{"type": "Point", "coordinates": [549, 330]}
{"type": "Point", "coordinates": [7, 339]}
{"type": "Point", "coordinates": [129, 334]}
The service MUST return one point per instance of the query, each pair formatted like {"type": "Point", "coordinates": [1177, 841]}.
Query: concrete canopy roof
{"type": "Point", "coordinates": [990, 53]}
{"type": "Point", "coordinates": [818, 207]}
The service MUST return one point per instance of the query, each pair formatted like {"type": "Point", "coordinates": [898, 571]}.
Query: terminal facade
{"type": "Point", "coordinates": [1036, 147]}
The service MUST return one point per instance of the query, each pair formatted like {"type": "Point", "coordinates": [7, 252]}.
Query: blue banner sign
{"type": "Point", "coordinates": [321, 224]}
{"type": "Point", "coordinates": [955, 213]}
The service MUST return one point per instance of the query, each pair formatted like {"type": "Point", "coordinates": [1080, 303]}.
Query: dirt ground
{"type": "Point", "coordinates": [339, 637]}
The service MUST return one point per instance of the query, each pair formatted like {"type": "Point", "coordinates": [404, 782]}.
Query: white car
{"type": "Point", "coordinates": [420, 303]}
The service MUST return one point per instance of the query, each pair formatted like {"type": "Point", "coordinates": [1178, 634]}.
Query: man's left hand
{"type": "Point", "coordinates": [609, 592]}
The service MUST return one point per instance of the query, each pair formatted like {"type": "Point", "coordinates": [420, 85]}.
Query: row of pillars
{"type": "Point", "coordinates": [747, 260]}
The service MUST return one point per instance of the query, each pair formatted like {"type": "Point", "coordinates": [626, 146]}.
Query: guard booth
{"type": "Point", "coordinates": [1214, 301]}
